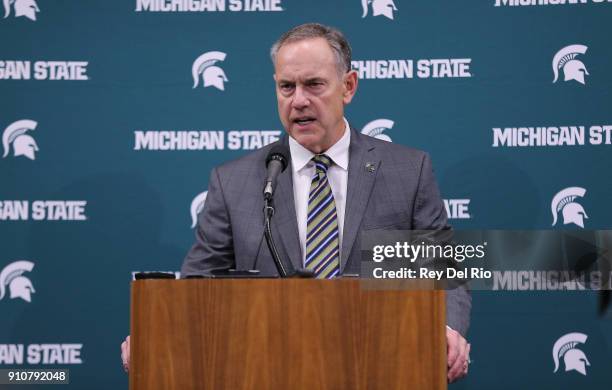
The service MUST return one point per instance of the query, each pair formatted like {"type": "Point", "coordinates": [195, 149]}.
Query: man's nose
{"type": "Point", "coordinates": [300, 99]}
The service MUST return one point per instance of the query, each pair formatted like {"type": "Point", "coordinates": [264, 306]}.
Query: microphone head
{"type": "Point", "coordinates": [278, 153]}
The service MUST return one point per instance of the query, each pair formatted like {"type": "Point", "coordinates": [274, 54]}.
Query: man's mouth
{"type": "Point", "coordinates": [305, 120]}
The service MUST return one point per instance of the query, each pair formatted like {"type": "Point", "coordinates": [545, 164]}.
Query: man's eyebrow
{"type": "Point", "coordinates": [314, 79]}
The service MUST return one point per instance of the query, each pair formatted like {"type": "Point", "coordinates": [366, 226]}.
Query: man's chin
{"type": "Point", "coordinates": [309, 140]}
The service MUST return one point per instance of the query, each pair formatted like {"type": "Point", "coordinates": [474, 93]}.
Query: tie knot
{"type": "Point", "coordinates": [322, 162]}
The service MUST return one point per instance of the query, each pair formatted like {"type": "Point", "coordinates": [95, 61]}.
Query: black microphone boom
{"type": "Point", "coordinates": [276, 162]}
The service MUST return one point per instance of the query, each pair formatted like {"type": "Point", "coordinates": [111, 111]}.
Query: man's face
{"type": "Point", "coordinates": [311, 94]}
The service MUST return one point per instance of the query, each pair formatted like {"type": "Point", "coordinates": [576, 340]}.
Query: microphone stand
{"type": "Point", "coordinates": [268, 213]}
{"type": "Point", "coordinates": [284, 270]}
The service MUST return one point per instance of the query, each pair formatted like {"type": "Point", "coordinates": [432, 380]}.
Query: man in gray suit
{"type": "Point", "coordinates": [338, 183]}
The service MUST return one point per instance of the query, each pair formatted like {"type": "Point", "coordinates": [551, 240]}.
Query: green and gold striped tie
{"type": "Point", "coordinates": [322, 239]}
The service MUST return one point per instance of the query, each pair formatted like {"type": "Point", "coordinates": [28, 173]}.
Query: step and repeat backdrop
{"type": "Point", "coordinates": [114, 113]}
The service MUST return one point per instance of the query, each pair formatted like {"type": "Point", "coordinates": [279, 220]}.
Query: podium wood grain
{"type": "Point", "coordinates": [268, 334]}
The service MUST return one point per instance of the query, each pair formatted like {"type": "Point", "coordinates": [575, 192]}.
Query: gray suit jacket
{"type": "Point", "coordinates": [401, 193]}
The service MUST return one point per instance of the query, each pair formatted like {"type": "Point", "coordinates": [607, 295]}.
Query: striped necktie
{"type": "Point", "coordinates": [322, 240]}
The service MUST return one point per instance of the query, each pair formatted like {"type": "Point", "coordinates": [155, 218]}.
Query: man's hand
{"type": "Point", "coordinates": [458, 352]}
{"type": "Point", "coordinates": [125, 354]}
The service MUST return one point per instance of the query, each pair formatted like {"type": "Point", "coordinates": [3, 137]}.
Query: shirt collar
{"type": "Point", "coordinates": [339, 152]}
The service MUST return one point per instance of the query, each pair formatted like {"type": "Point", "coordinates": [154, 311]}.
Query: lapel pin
{"type": "Point", "coordinates": [370, 167]}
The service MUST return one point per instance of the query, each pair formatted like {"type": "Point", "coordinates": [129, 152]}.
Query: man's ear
{"type": "Point", "coordinates": [350, 86]}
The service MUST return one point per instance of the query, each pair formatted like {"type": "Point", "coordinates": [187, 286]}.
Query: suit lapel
{"type": "Point", "coordinates": [363, 166]}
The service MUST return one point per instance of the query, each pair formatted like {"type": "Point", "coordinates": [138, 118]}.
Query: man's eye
{"type": "Point", "coordinates": [286, 87]}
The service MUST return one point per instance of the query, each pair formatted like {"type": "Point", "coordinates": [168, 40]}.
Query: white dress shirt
{"type": "Point", "coordinates": [337, 174]}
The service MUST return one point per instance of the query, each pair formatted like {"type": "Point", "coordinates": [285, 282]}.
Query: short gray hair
{"type": "Point", "coordinates": [334, 37]}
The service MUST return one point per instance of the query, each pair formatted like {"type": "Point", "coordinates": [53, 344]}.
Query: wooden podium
{"type": "Point", "coordinates": [285, 334]}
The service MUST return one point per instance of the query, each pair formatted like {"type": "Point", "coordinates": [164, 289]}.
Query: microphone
{"type": "Point", "coordinates": [276, 162]}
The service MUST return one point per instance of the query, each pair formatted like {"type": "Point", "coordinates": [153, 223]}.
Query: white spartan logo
{"type": "Point", "coordinates": [197, 204]}
{"type": "Point", "coordinates": [573, 358]}
{"type": "Point", "coordinates": [19, 286]}
{"type": "Point", "coordinates": [27, 8]}
{"type": "Point", "coordinates": [379, 7]}
{"type": "Point", "coordinates": [564, 201]}
{"type": "Point", "coordinates": [212, 75]}
{"type": "Point", "coordinates": [377, 127]}
{"type": "Point", "coordinates": [23, 144]}
{"type": "Point", "coordinates": [573, 69]}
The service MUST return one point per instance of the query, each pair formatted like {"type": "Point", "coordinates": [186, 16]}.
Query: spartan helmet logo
{"type": "Point", "coordinates": [573, 69]}
{"type": "Point", "coordinates": [23, 144]}
{"type": "Point", "coordinates": [572, 211]}
{"type": "Point", "coordinates": [573, 358]}
{"type": "Point", "coordinates": [377, 127]}
{"type": "Point", "coordinates": [197, 204]}
{"type": "Point", "coordinates": [27, 8]}
{"type": "Point", "coordinates": [19, 286]}
{"type": "Point", "coordinates": [379, 7]}
{"type": "Point", "coordinates": [212, 75]}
